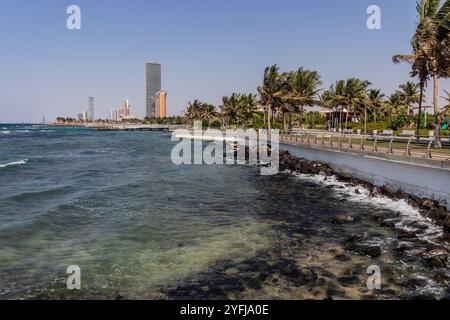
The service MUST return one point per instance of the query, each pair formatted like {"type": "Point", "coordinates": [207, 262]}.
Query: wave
{"type": "Point", "coordinates": [15, 163]}
{"type": "Point", "coordinates": [41, 195]}
{"type": "Point", "coordinates": [409, 217]}
{"type": "Point", "coordinates": [5, 132]}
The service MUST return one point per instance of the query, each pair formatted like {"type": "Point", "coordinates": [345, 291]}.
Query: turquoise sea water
{"type": "Point", "coordinates": [139, 226]}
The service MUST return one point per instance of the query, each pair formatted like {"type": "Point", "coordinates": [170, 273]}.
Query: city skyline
{"type": "Point", "coordinates": [104, 59]}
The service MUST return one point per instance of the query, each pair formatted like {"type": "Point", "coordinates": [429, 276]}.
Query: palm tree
{"type": "Point", "coordinates": [193, 112]}
{"type": "Point", "coordinates": [375, 100]}
{"type": "Point", "coordinates": [302, 91]}
{"type": "Point", "coordinates": [230, 109]}
{"type": "Point", "coordinates": [355, 97]}
{"type": "Point", "coordinates": [247, 108]}
{"type": "Point", "coordinates": [410, 94]}
{"type": "Point", "coordinates": [431, 54]}
{"type": "Point", "coordinates": [396, 105]}
{"type": "Point", "coordinates": [349, 94]}
{"type": "Point", "coordinates": [208, 113]}
{"type": "Point", "coordinates": [447, 107]}
{"type": "Point", "coordinates": [271, 91]}
{"type": "Point", "coordinates": [334, 100]}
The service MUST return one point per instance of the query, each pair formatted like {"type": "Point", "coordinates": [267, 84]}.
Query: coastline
{"type": "Point", "coordinates": [429, 208]}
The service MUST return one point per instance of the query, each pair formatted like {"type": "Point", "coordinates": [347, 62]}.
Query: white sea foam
{"type": "Point", "coordinates": [5, 132]}
{"type": "Point", "coordinates": [15, 163]}
{"type": "Point", "coordinates": [408, 215]}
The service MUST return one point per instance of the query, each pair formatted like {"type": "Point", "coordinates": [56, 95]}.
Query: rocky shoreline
{"type": "Point", "coordinates": [436, 256]}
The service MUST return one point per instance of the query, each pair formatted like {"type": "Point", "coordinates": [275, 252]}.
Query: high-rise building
{"type": "Point", "coordinates": [127, 108]}
{"type": "Point", "coordinates": [153, 85]}
{"type": "Point", "coordinates": [80, 117]}
{"type": "Point", "coordinates": [161, 104]}
{"type": "Point", "coordinates": [122, 113]}
{"type": "Point", "coordinates": [91, 111]}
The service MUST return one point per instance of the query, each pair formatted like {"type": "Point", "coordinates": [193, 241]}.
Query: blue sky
{"type": "Point", "coordinates": [207, 49]}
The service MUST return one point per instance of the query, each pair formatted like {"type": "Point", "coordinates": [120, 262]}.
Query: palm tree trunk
{"type": "Point", "coordinates": [437, 110]}
{"type": "Point", "coordinates": [269, 121]}
{"type": "Point", "coordinates": [332, 119]}
{"type": "Point", "coordinates": [284, 122]}
{"type": "Point", "coordinates": [346, 120]}
{"type": "Point", "coordinates": [300, 117]}
{"type": "Point", "coordinates": [365, 120]}
{"type": "Point", "coordinates": [290, 122]}
{"type": "Point", "coordinates": [420, 109]}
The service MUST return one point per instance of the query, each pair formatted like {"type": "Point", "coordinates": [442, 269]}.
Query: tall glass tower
{"type": "Point", "coordinates": [91, 111]}
{"type": "Point", "coordinates": [153, 81]}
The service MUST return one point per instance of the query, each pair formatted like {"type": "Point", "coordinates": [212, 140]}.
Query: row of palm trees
{"type": "Point", "coordinates": [284, 96]}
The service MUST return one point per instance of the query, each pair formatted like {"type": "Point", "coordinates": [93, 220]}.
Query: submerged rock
{"type": "Point", "coordinates": [387, 224]}
{"type": "Point", "coordinates": [436, 258]}
{"type": "Point", "coordinates": [403, 234]}
{"type": "Point", "coordinates": [373, 251]}
{"type": "Point", "coordinates": [354, 244]}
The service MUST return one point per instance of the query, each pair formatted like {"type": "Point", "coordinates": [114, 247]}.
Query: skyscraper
{"type": "Point", "coordinates": [91, 112]}
{"type": "Point", "coordinates": [160, 104]}
{"type": "Point", "coordinates": [153, 85]}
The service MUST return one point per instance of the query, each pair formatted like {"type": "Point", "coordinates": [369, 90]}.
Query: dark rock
{"type": "Point", "coordinates": [438, 214]}
{"type": "Point", "coordinates": [342, 219]}
{"type": "Point", "coordinates": [428, 204]}
{"type": "Point", "coordinates": [415, 283]}
{"type": "Point", "coordinates": [387, 224]}
{"type": "Point", "coordinates": [263, 276]}
{"type": "Point", "coordinates": [352, 244]}
{"type": "Point", "coordinates": [385, 190]}
{"type": "Point", "coordinates": [342, 258]}
{"type": "Point", "coordinates": [244, 267]}
{"type": "Point", "coordinates": [389, 292]}
{"type": "Point", "coordinates": [406, 235]}
{"type": "Point", "coordinates": [344, 177]}
{"type": "Point", "coordinates": [252, 283]}
{"type": "Point", "coordinates": [441, 279]}
{"type": "Point", "coordinates": [348, 280]}
{"type": "Point", "coordinates": [372, 251]}
{"type": "Point", "coordinates": [400, 195]}
{"type": "Point", "coordinates": [446, 224]}
{"type": "Point", "coordinates": [404, 246]}
{"type": "Point", "coordinates": [436, 258]}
